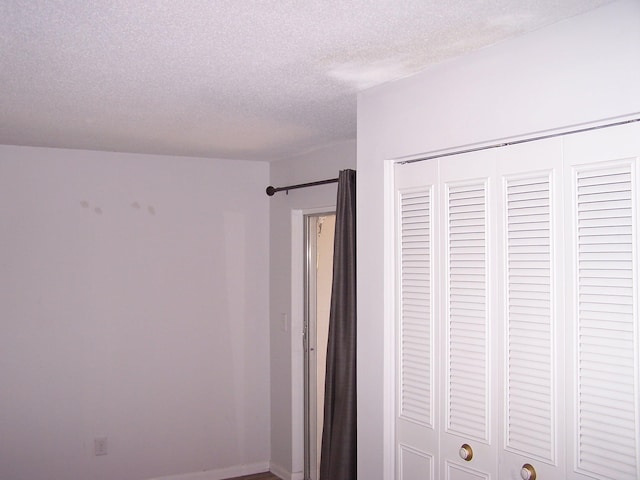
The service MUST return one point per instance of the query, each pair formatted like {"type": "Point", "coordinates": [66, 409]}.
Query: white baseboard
{"type": "Point", "coordinates": [220, 474]}
{"type": "Point", "coordinates": [285, 474]}
{"type": "Point", "coordinates": [278, 471]}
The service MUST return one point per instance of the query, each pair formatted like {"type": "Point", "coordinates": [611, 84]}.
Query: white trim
{"type": "Point", "coordinates": [329, 210]}
{"type": "Point", "coordinates": [297, 352]}
{"type": "Point", "coordinates": [280, 472]}
{"type": "Point", "coordinates": [536, 136]}
{"type": "Point", "coordinates": [389, 372]}
{"type": "Point", "coordinates": [284, 474]}
{"type": "Point", "coordinates": [220, 474]}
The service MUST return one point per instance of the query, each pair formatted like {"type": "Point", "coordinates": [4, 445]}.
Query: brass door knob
{"type": "Point", "coordinates": [527, 472]}
{"type": "Point", "coordinates": [466, 452]}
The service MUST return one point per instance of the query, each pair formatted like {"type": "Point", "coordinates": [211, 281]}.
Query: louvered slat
{"type": "Point", "coordinates": [415, 315]}
{"type": "Point", "coordinates": [530, 426]}
{"type": "Point", "coordinates": [467, 379]}
{"type": "Point", "coordinates": [606, 325]}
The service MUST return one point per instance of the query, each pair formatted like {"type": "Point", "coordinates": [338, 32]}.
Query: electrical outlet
{"type": "Point", "coordinates": [100, 446]}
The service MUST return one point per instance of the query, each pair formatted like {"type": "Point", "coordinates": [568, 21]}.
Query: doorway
{"type": "Point", "coordinates": [319, 234]}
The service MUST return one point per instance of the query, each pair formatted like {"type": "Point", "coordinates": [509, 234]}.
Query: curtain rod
{"type": "Point", "coordinates": [517, 142]}
{"type": "Point", "coordinates": [271, 190]}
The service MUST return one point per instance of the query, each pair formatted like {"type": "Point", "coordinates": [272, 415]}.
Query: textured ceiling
{"type": "Point", "coordinates": [239, 79]}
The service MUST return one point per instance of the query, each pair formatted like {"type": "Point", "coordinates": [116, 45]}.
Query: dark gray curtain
{"type": "Point", "coordinates": [338, 455]}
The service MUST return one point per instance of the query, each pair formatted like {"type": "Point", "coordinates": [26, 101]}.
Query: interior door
{"type": "Point", "coordinates": [603, 389]}
{"type": "Point", "coordinates": [319, 237]}
{"type": "Point", "coordinates": [416, 435]}
{"type": "Point", "coordinates": [531, 302]}
{"type": "Point", "coordinates": [468, 413]}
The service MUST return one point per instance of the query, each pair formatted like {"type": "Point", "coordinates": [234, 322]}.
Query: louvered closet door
{"type": "Point", "coordinates": [602, 181]}
{"type": "Point", "coordinates": [531, 309]}
{"type": "Point", "coordinates": [416, 441]}
{"type": "Point", "coordinates": [467, 411]}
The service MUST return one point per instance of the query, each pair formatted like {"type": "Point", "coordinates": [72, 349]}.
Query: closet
{"type": "Point", "coordinates": [516, 325]}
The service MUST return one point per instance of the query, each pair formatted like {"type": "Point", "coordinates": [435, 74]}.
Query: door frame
{"type": "Point", "coordinates": [309, 338]}
{"type": "Point", "coordinates": [298, 295]}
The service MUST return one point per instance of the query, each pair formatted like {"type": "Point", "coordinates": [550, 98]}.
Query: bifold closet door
{"type": "Point", "coordinates": [531, 307]}
{"type": "Point", "coordinates": [602, 268]}
{"type": "Point", "coordinates": [517, 320]}
{"type": "Point", "coordinates": [467, 387]}
{"type": "Point", "coordinates": [416, 435]}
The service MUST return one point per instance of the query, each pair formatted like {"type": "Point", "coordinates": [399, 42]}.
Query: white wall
{"type": "Point", "coordinates": [583, 70]}
{"type": "Point", "coordinates": [286, 344]}
{"type": "Point", "coordinates": [133, 305]}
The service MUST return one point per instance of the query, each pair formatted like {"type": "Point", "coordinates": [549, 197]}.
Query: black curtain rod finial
{"type": "Point", "coordinates": [271, 191]}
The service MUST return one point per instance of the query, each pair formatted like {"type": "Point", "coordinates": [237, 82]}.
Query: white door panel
{"type": "Point", "coordinates": [601, 178]}
{"type": "Point", "coordinates": [415, 464]}
{"type": "Point", "coordinates": [462, 472]}
{"type": "Point", "coordinates": [532, 383]}
{"type": "Point", "coordinates": [416, 426]}
{"type": "Point", "coordinates": [468, 409]}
